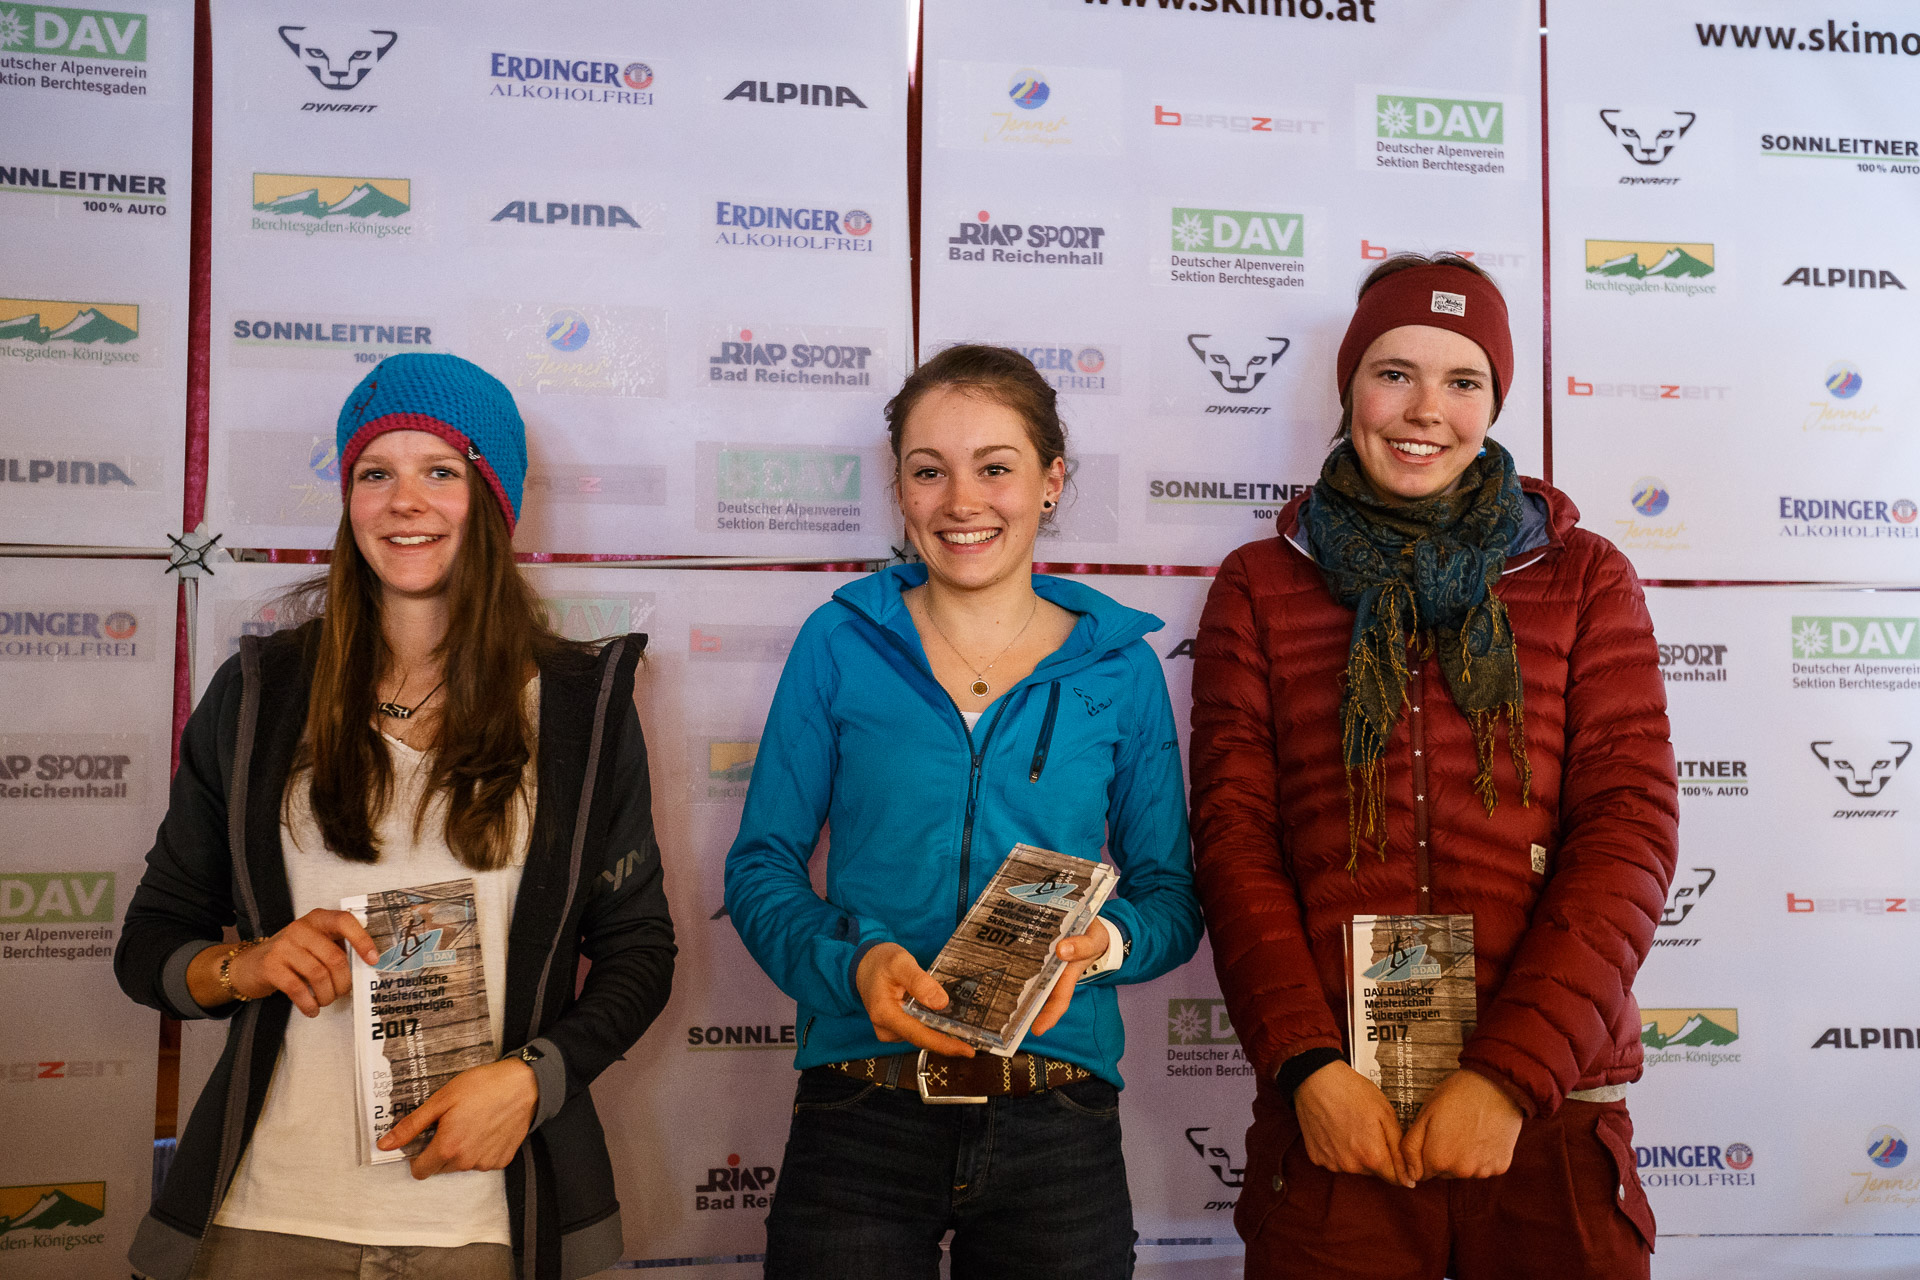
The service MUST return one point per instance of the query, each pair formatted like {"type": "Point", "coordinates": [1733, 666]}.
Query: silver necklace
{"type": "Point", "coordinates": [980, 688]}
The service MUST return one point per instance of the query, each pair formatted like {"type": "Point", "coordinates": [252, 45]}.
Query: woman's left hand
{"type": "Point", "coordinates": [483, 1114]}
{"type": "Point", "coordinates": [1466, 1130]}
{"type": "Point", "coordinates": [1080, 950]}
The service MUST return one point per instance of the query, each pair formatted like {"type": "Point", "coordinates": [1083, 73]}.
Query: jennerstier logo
{"type": "Point", "coordinates": [94, 335]}
{"type": "Point", "coordinates": [315, 204]}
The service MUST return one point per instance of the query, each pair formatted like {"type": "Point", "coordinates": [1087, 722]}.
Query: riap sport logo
{"type": "Point", "coordinates": [325, 204]}
{"type": "Point", "coordinates": [101, 335]}
{"type": "Point", "coordinates": [1650, 266]}
{"type": "Point", "coordinates": [104, 34]}
{"type": "Point", "coordinates": [982, 238]}
{"type": "Point", "coordinates": [750, 358]}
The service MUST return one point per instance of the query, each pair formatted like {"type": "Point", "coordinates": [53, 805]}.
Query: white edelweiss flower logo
{"type": "Point", "coordinates": [1810, 641]}
{"type": "Point", "coordinates": [1190, 231]}
{"type": "Point", "coordinates": [1396, 120]}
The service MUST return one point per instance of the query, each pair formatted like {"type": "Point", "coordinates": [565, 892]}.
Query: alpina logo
{"type": "Point", "coordinates": [314, 196]}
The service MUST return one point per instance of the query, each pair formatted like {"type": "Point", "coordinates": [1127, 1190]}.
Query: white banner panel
{"type": "Point", "coordinates": [1171, 218]}
{"type": "Point", "coordinates": [95, 200]}
{"type": "Point", "coordinates": [682, 244]}
{"type": "Point", "coordinates": [1734, 286]}
{"type": "Point", "coordinates": [87, 648]}
{"type": "Point", "coordinates": [1781, 1084]}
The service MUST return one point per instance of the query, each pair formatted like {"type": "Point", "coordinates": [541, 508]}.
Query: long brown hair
{"type": "Point", "coordinates": [496, 634]}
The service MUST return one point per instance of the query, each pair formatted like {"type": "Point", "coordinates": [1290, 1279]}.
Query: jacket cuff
{"type": "Point", "coordinates": [1295, 1070]}
{"type": "Point", "coordinates": [1529, 1108]}
{"type": "Point", "coordinates": [853, 969]}
{"type": "Point", "coordinates": [173, 983]}
{"type": "Point", "coordinates": [550, 1075]}
{"type": "Point", "coordinates": [1119, 944]}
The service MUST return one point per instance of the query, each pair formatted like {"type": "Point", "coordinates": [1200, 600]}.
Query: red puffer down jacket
{"type": "Point", "coordinates": [1556, 953]}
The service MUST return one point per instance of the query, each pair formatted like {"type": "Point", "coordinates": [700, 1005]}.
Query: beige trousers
{"type": "Point", "coordinates": [233, 1254]}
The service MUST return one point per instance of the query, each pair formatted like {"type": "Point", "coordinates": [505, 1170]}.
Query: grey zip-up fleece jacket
{"type": "Point", "coordinates": [591, 888]}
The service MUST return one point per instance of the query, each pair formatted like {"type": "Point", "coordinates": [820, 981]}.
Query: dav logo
{"type": "Point", "coordinates": [1454, 119]}
{"type": "Point", "coordinates": [57, 897]}
{"type": "Point", "coordinates": [597, 618]}
{"type": "Point", "coordinates": [102, 335]}
{"type": "Point", "coordinates": [1201, 1021]}
{"type": "Point", "coordinates": [1880, 639]}
{"type": "Point", "coordinates": [76, 33]}
{"type": "Point", "coordinates": [1276, 235]}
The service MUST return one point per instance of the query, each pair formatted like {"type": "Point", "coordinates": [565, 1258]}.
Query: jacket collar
{"type": "Point", "coordinates": [1105, 625]}
{"type": "Point", "coordinates": [1546, 519]}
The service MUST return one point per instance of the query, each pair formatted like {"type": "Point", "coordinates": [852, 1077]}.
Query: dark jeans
{"type": "Point", "coordinates": [873, 1178]}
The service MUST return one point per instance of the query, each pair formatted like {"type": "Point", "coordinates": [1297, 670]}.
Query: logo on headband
{"type": "Point", "coordinates": [1449, 304]}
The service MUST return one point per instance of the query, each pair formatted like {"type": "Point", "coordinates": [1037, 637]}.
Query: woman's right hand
{"type": "Point", "coordinates": [1348, 1124]}
{"type": "Point", "coordinates": [889, 974]}
{"type": "Point", "coordinates": [304, 961]}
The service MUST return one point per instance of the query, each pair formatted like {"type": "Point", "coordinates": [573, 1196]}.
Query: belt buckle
{"type": "Point", "coordinates": [920, 1078]}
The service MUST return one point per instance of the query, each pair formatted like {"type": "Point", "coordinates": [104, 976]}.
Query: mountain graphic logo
{"type": "Point", "coordinates": [50, 1206]}
{"type": "Point", "coordinates": [731, 761]}
{"type": "Point", "coordinates": [314, 196]}
{"type": "Point", "coordinates": [1688, 1028]}
{"type": "Point", "coordinates": [45, 320]}
{"type": "Point", "coordinates": [1644, 259]}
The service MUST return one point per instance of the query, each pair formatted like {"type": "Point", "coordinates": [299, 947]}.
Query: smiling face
{"type": "Point", "coordinates": [408, 508]}
{"type": "Point", "coordinates": [1422, 402]}
{"type": "Point", "coordinates": [971, 487]}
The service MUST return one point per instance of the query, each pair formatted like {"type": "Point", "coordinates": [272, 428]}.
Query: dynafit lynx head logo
{"type": "Point", "coordinates": [337, 55]}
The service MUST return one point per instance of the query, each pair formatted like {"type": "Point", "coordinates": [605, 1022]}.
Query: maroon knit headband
{"type": "Point", "coordinates": [1443, 297]}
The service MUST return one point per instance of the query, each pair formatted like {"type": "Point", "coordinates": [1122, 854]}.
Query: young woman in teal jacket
{"type": "Point", "coordinates": [931, 717]}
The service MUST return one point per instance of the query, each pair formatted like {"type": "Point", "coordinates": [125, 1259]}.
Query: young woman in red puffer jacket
{"type": "Point", "coordinates": [1434, 693]}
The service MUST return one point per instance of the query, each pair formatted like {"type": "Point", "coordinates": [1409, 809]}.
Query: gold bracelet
{"type": "Point", "coordinates": [226, 961]}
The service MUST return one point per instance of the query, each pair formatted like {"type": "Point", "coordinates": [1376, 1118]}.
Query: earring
{"type": "Point", "coordinates": [1482, 453]}
{"type": "Point", "coordinates": [1048, 502]}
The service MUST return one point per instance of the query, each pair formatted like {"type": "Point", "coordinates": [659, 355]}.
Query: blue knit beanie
{"type": "Point", "coordinates": [449, 397]}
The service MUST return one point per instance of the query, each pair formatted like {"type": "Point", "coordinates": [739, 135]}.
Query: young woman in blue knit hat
{"type": "Point", "coordinates": [426, 727]}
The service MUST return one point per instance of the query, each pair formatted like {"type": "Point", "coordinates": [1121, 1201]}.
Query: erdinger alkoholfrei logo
{"type": "Point", "coordinates": [1029, 90]}
{"type": "Point", "coordinates": [1236, 362]}
{"type": "Point", "coordinates": [338, 55]}
{"type": "Point", "coordinates": [1216, 1157]}
{"type": "Point", "coordinates": [1648, 136]}
{"type": "Point", "coordinates": [1862, 766]}
{"type": "Point", "coordinates": [1650, 496]}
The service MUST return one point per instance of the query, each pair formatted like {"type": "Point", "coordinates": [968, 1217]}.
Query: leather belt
{"type": "Point", "coordinates": [943, 1079]}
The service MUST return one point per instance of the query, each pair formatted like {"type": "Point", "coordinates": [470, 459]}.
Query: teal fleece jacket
{"type": "Point", "coordinates": [1079, 757]}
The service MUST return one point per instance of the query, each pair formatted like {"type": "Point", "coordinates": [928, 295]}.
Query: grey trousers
{"type": "Point", "coordinates": [233, 1254]}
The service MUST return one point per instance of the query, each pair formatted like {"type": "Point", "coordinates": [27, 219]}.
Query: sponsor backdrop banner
{"type": "Point", "coordinates": [1171, 217]}
{"type": "Point", "coordinates": [1783, 1047]}
{"type": "Point", "coordinates": [1734, 288]}
{"type": "Point", "coordinates": [95, 209]}
{"type": "Point", "coordinates": [686, 256]}
{"type": "Point", "coordinates": [87, 648]}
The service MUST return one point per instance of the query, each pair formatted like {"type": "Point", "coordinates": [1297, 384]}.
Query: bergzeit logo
{"type": "Point", "coordinates": [1646, 391]}
{"type": "Point", "coordinates": [811, 358]}
{"type": "Point", "coordinates": [1199, 121]}
{"type": "Point", "coordinates": [1648, 137]}
{"type": "Point", "coordinates": [45, 1215]}
{"type": "Point", "coordinates": [1697, 1036]}
{"type": "Point", "coordinates": [739, 642]}
{"type": "Point", "coordinates": [1493, 259]}
{"type": "Point", "coordinates": [981, 239]}
{"type": "Point", "coordinates": [287, 340]}
{"type": "Point", "coordinates": [34, 1071]}
{"type": "Point", "coordinates": [771, 226]}
{"type": "Point", "coordinates": [313, 204]}
{"type": "Point", "coordinates": [1238, 247]}
{"type": "Point", "coordinates": [1462, 136]}
{"type": "Point", "coordinates": [98, 335]}
{"type": "Point", "coordinates": [1908, 906]}
{"type": "Point", "coordinates": [70, 635]}
{"type": "Point", "coordinates": [615, 82]}
{"type": "Point", "coordinates": [1649, 266]}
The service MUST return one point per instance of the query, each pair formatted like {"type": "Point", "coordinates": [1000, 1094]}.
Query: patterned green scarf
{"type": "Point", "coordinates": [1423, 569]}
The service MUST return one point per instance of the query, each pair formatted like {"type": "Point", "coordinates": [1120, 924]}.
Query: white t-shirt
{"type": "Point", "coordinates": [301, 1174]}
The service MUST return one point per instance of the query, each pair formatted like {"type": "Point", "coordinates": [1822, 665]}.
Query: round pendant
{"type": "Point", "coordinates": [980, 689]}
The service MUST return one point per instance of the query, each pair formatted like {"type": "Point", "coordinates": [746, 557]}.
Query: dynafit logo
{"type": "Point", "coordinates": [1401, 116]}
{"type": "Point", "coordinates": [337, 55]}
{"type": "Point", "coordinates": [53, 1207]}
{"type": "Point", "coordinates": [1648, 136]}
{"type": "Point", "coordinates": [75, 33]}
